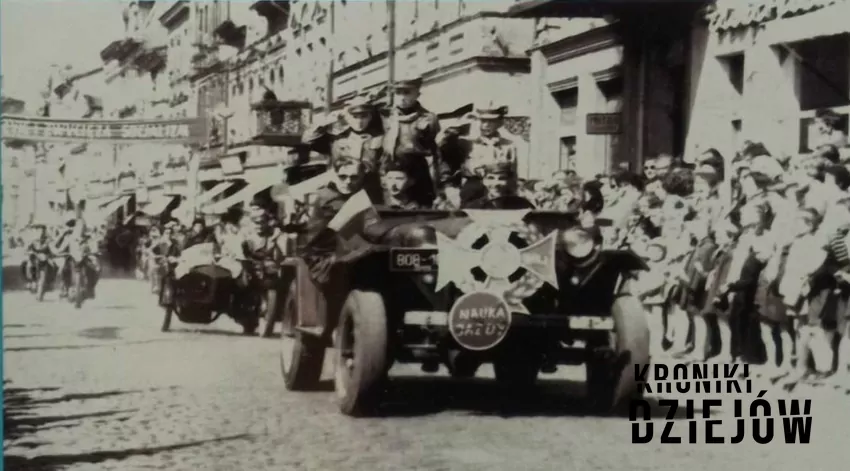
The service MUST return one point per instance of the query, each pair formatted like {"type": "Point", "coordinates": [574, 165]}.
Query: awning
{"type": "Point", "coordinates": [582, 8]}
{"type": "Point", "coordinates": [183, 213]}
{"type": "Point", "coordinates": [157, 204]}
{"type": "Point", "coordinates": [241, 196]}
{"type": "Point", "coordinates": [218, 189]}
{"type": "Point", "coordinates": [109, 208]}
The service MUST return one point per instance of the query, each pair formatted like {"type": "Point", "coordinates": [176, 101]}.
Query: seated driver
{"type": "Point", "coordinates": [500, 181]}
{"type": "Point", "coordinates": [262, 240]}
{"type": "Point", "coordinates": [39, 245]}
{"type": "Point", "coordinates": [198, 234]}
{"type": "Point", "coordinates": [321, 241]}
{"type": "Point", "coordinates": [77, 240]}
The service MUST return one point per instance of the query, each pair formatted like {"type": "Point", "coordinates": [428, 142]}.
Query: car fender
{"type": "Point", "coordinates": [311, 303]}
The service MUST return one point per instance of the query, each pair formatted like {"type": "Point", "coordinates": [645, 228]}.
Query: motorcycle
{"type": "Point", "coordinates": [81, 277]}
{"type": "Point", "coordinates": [43, 275]}
{"type": "Point", "coordinates": [209, 289]}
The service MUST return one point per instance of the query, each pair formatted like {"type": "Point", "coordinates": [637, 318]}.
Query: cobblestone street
{"type": "Point", "coordinates": [102, 388]}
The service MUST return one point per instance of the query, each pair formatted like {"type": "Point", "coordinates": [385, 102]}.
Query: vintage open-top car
{"type": "Point", "coordinates": [523, 290]}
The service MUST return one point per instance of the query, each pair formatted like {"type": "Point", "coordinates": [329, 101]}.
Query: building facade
{"type": "Point", "coordinates": [765, 68]}
{"type": "Point", "coordinates": [610, 83]}
{"type": "Point", "coordinates": [615, 86]}
{"type": "Point", "coordinates": [594, 91]}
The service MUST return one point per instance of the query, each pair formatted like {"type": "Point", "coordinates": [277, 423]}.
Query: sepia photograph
{"type": "Point", "coordinates": [436, 235]}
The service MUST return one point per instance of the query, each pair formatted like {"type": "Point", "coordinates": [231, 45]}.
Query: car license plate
{"type": "Point", "coordinates": [410, 260]}
{"type": "Point", "coordinates": [591, 323]}
{"type": "Point", "coordinates": [426, 318]}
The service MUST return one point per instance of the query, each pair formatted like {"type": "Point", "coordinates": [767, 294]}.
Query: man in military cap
{"type": "Point", "coordinates": [357, 136]}
{"type": "Point", "coordinates": [500, 183]}
{"type": "Point", "coordinates": [484, 147]}
{"type": "Point", "coordinates": [411, 134]}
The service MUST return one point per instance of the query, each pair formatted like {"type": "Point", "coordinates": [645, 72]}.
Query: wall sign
{"type": "Point", "coordinates": [168, 131]}
{"type": "Point", "coordinates": [604, 123]}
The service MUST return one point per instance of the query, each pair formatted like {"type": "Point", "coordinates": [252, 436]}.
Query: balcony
{"type": "Point", "coordinates": [280, 123]}
{"type": "Point", "coordinates": [276, 14]}
{"type": "Point", "coordinates": [231, 35]}
{"type": "Point", "coordinates": [152, 60]}
{"type": "Point", "coordinates": [205, 60]}
{"type": "Point", "coordinates": [119, 50]}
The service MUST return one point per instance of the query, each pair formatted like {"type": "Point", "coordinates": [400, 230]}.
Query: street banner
{"type": "Point", "coordinates": [160, 131]}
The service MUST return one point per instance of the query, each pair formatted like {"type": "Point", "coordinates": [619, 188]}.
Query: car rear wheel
{"type": "Point", "coordinates": [361, 353]}
{"type": "Point", "coordinates": [301, 356]}
{"type": "Point", "coordinates": [611, 383]}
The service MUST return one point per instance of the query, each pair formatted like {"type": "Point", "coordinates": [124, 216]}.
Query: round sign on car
{"type": "Point", "coordinates": [479, 321]}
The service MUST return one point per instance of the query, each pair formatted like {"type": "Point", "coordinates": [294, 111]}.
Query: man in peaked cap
{"type": "Point", "coordinates": [482, 149]}
{"type": "Point", "coordinates": [358, 136]}
{"type": "Point", "coordinates": [500, 183]}
{"type": "Point", "coordinates": [411, 134]}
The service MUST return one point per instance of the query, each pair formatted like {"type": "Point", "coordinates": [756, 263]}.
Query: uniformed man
{"type": "Point", "coordinates": [500, 183]}
{"type": "Point", "coordinates": [411, 134]}
{"type": "Point", "coordinates": [321, 242]}
{"type": "Point", "coordinates": [485, 146]}
{"type": "Point", "coordinates": [398, 178]}
{"type": "Point", "coordinates": [357, 136]}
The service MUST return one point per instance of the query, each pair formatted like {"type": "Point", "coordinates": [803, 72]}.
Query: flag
{"type": "Point", "coordinates": [350, 220]}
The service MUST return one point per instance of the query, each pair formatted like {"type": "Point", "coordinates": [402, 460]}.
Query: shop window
{"type": "Point", "coordinates": [823, 72]}
{"type": "Point", "coordinates": [568, 103]}
{"type": "Point", "coordinates": [733, 65]}
{"type": "Point", "coordinates": [567, 153]}
{"type": "Point", "coordinates": [612, 94]}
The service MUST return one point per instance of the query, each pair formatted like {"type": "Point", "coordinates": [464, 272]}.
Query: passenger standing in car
{"type": "Point", "coordinates": [484, 146]}
{"type": "Point", "coordinates": [411, 135]}
{"type": "Point", "coordinates": [358, 135]}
